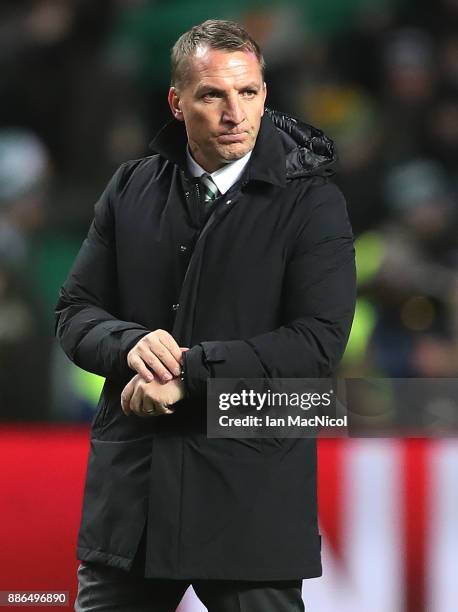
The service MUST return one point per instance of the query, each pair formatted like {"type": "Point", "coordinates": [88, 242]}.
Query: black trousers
{"type": "Point", "coordinates": [107, 589]}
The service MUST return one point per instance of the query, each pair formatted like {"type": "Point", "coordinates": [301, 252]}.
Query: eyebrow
{"type": "Point", "coordinates": [203, 88]}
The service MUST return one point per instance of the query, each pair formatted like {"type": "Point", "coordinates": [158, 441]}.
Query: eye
{"type": "Point", "coordinates": [211, 94]}
{"type": "Point", "coordinates": [249, 93]}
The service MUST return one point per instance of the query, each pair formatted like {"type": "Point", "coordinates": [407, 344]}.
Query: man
{"type": "Point", "coordinates": [227, 254]}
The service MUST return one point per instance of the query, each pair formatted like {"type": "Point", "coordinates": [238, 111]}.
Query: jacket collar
{"type": "Point", "coordinates": [267, 162]}
{"type": "Point", "coordinates": [285, 149]}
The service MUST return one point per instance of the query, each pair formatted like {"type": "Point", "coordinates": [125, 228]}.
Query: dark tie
{"type": "Point", "coordinates": [210, 189]}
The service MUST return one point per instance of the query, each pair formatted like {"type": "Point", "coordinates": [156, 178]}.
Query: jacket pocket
{"type": "Point", "coordinates": [115, 497]}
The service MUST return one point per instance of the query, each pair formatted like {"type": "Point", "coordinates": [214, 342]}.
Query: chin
{"type": "Point", "coordinates": [234, 152]}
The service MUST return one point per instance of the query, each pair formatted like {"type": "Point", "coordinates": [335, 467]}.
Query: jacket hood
{"type": "Point", "coordinates": [309, 152]}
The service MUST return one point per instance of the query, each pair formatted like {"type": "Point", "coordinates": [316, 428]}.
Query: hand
{"type": "Point", "coordinates": [151, 398]}
{"type": "Point", "coordinates": [159, 353]}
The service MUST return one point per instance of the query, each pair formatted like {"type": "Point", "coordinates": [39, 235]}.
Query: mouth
{"type": "Point", "coordinates": [229, 138]}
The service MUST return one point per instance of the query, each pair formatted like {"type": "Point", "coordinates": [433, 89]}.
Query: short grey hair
{"type": "Point", "coordinates": [214, 34]}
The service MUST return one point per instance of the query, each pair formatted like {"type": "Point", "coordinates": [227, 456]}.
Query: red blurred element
{"type": "Point", "coordinates": [415, 520]}
{"type": "Point", "coordinates": [330, 491]}
{"type": "Point", "coordinates": [41, 481]}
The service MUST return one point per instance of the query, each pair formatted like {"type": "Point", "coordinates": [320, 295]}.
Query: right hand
{"type": "Point", "coordinates": [156, 354]}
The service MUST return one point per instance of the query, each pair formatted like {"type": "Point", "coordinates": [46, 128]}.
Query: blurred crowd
{"type": "Point", "coordinates": [83, 87]}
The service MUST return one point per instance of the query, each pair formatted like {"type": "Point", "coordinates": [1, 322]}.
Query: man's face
{"type": "Point", "coordinates": [221, 104]}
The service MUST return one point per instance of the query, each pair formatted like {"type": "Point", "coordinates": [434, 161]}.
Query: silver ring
{"type": "Point", "coordinates": [149, 410]}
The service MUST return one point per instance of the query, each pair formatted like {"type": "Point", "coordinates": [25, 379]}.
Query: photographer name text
{"type": "Point", "coordinates": [288, 421]}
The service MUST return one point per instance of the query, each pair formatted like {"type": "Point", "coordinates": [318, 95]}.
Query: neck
{"type": "Point", "coordinates": [206, 165]}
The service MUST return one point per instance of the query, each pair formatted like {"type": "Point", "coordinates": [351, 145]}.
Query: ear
{"type": "Point", "coordinates": [264, 87]}
{"type": "Point", "coordinates": [174, 103]}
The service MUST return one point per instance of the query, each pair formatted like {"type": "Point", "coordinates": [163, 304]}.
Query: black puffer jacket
{"type": "Point", "coordinates": [266, 287]}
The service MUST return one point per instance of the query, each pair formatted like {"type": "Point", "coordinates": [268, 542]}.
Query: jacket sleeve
{"type": "Point", "coordinates": [87, 326]}
{"type": "Point", "coordinates": [319, 295]}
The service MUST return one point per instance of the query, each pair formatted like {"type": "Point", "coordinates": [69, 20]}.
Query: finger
{"type": "Point", "coordinates": [169, 353]}
{"type": "Point", "coordinates": [148, 407]}
{"type": "Point", "coordinates": [153, 398]}
{"type": "Point", "coordinates": [136, 400]}
{"type": "Point", "coordinates": [125, 402]}
{"type": "Point", "coordinates": [164, 347]}
{"type": "Point", "coordinates": [125, 406]}
{"type": "Point", "coordinates": [169, 360]}
{"type": "Point", "coordinates": [126, 395]}
{"type": "Point", "coordinates": [183, 350]}
{"type": "Point", "coordinates": [172, 347]}
{"type": "Point", "coordinates": [137, 363]}
{"type": "Point", "coordinates": [151, 407]}
{"type": "Point", "coordinates": [160, 409]}
{"type": "Point", "coordinates": [153, 358]}
{"type": "Point", "coordinates": [169, 341]}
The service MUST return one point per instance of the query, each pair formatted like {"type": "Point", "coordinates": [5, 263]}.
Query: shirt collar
{"type": "Point", "coordinates": [224, 177]}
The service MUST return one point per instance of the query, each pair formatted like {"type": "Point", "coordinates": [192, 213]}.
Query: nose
{"type": "Point", "coordinates": [233, 112]}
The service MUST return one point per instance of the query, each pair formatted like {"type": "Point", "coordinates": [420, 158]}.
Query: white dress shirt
{"type": "Point", "coordinates": [223, 178]}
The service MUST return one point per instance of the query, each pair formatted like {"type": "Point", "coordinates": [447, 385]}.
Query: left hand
{"type": "Point", "coordinates": [151, 398]}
